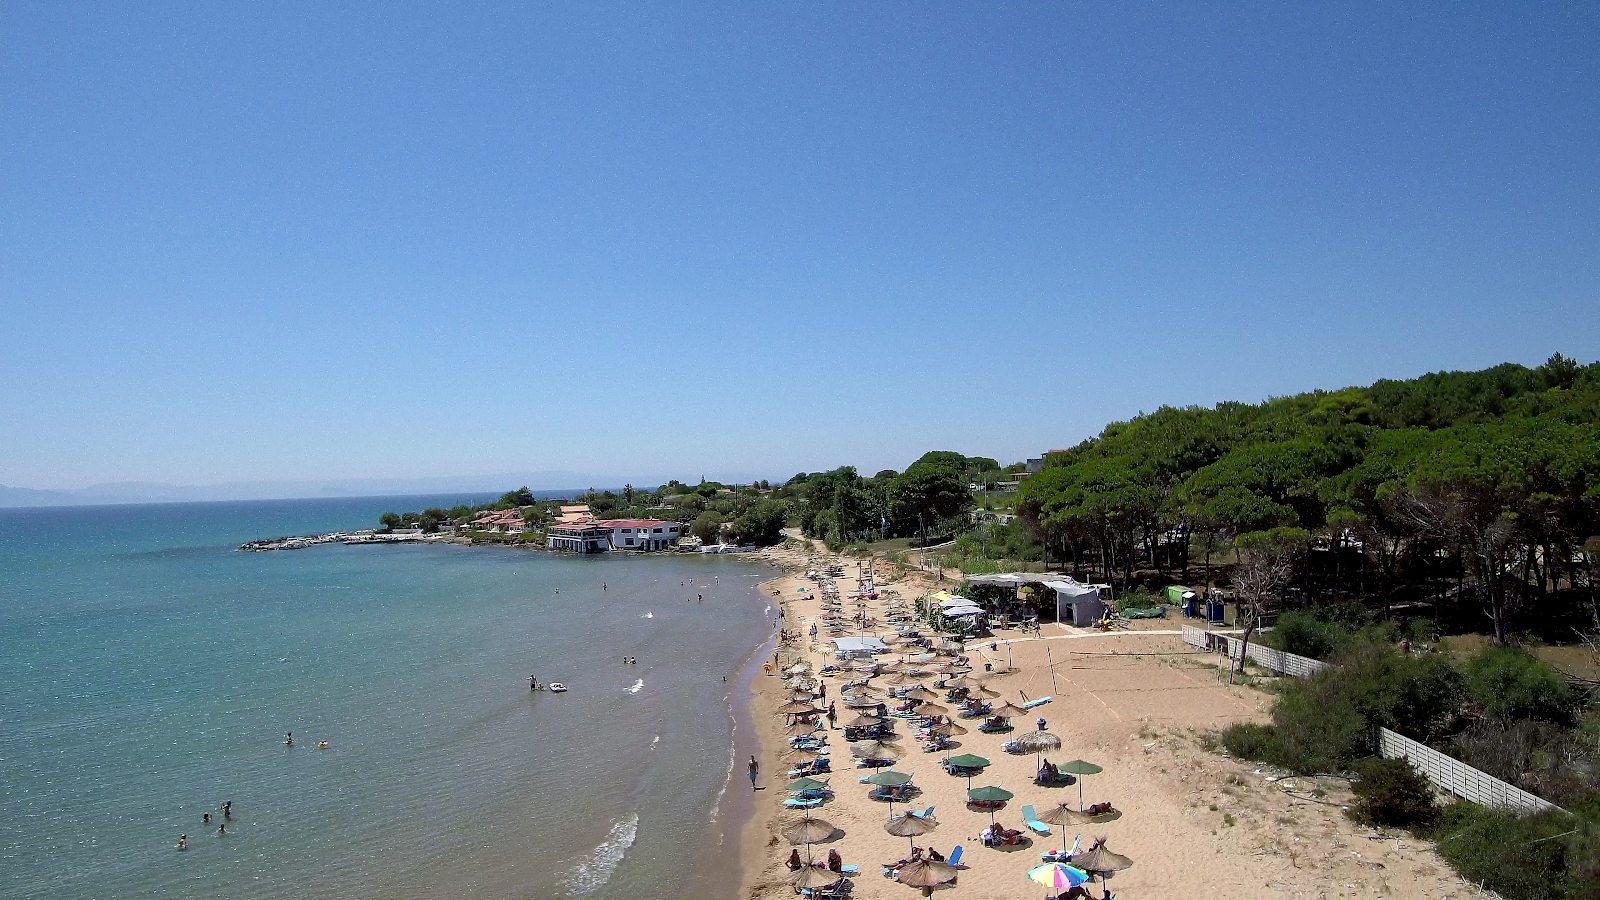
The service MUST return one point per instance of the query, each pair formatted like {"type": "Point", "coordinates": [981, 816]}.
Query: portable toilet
{"type": "Point", "coordinates": [1177, 595]}
{"type": "Point", "coordinates": [1216, 613]}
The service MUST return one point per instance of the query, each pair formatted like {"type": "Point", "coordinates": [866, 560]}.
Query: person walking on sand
{"type": "Point", "coordinates": [833, 716]}
{"type": "Point", "coordinates": [755, 769]}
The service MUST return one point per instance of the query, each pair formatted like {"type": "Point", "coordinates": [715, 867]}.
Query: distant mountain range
{"type": "Point", "coordinates": [154, 492]}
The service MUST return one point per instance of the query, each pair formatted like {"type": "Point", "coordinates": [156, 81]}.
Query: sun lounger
{"type": "Point", "coordinates": [1032, 703]}
{"type": "Point", "coordinates": [797, 803]}
{"type": "Point", "coordinates": [850, 870]}
{"type": "Point", "coordinates": [955, 856]}
{"type": "Point", "coordinates": [1032, 821]}
{"type": "Point", "coordinates": [924, 814]}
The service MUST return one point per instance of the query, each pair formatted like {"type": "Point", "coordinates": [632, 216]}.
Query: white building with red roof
{"type": "Point", "coordinates": [642, 534]}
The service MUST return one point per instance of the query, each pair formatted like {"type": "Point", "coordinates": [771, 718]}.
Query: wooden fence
{"type": "Point", "coordinates": [1446, 772]}
{"type": "Point", "coordinates": [1276, 660]}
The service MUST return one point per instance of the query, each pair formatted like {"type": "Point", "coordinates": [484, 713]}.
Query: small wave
{"type": "Point", "coordinates": [648, 616]}
{"type": "Point", "coordinates": [637, 687]}
{"type": "Point", "coordinates": [592, 874]}
{"type": "Point", "coordinates": [655, 740]}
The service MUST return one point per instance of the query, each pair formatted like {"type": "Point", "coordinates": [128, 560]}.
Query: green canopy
{"type": "Point", "coordinates": [806, 784]}
{"type": "Point", "coordinates": [990, 794]}
{"type": "Point", "coordinates": [1080, 767]}
{"type": "Point", "coordinates": [889, 778]}
{"type": "Point", "coordinates": [970, 761]}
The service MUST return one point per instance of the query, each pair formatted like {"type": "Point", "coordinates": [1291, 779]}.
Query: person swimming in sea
{"type": "Point", "coordinates": [206, 820]}
{"type": "Point", "coordinates": [222, 829]}
{"type": "Point", "coordinates": [288, 739]}
{"type": "Point", "coordinates": [183, 842]}
{"type": "Point", "coordinates": [322, 745]}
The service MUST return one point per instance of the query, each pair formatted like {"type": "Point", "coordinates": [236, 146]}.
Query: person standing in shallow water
{"type": "Point", "coordinates": [755, 769]}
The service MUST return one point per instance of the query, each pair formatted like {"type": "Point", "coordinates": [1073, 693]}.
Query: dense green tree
{"type": "Point", "coordinates": [929, 490]}
{"type": "Point", "coordinates": [520, 497]}
{"type": "Point", "coordinates": [707, 527]}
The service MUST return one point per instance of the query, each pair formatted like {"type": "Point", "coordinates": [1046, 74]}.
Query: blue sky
{"type": "Point", "coordinates": [395, 240]}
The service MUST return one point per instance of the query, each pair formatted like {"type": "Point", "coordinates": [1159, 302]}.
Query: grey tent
{"type": "Point", "coordinates": [1079, 604]}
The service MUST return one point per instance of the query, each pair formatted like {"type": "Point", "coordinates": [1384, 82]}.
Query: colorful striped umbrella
{"type": "Point", "coordinates": [1058, 876]}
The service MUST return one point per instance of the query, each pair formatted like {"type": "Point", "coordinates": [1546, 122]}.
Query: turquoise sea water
{"type": "Point", "coordinates": [148, 673]}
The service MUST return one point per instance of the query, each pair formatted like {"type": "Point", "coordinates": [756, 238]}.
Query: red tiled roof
{"type": "Point", "coordinates": [633, 523]}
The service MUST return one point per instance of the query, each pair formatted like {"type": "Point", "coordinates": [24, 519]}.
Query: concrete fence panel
{"type": "Point", "coordinates": [1276, 660]}
{"type": "Point", "coordinates": [1452, 775]}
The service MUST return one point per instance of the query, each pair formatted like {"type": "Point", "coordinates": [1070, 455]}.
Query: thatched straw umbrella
{"type": "Point", "coordinates": [1097, 860]}
{"type": "Point", "coordinates": [814, 877]}
{"type": "Point", "coordinates": [808, 830]}
{"type": "Point", "coordinates": [910, 825]}
{"type": "Point", "coordinates": [1040, 742]}
{"type": "Point", "coordinates": [927, 874]}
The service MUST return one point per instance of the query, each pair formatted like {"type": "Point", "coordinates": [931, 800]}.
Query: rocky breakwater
{"type": "Point", "coordinates": [298, 542]}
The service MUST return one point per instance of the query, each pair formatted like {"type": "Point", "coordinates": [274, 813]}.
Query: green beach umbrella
{"type": "Point", "coordinates": [889, 778]}
{"type": "Point", "coordinates": [806, 784]}
{"type": "Point", "coordinates": [967, 761]}
{"type": "Point", "coordinates": [992, 795]}
{"type": "Point", "coordinates": [1079, 767]}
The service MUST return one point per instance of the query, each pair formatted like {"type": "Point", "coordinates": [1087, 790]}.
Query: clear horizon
{"type": "Point", "coordinates": [410, 241]}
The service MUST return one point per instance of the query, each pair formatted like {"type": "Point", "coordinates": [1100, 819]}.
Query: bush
{"type": "Point", "coordinates": [1318, 724]}
{"type": "Point", "coordinates": [1247, 740]}
{"type": "Point", "coordinates": [1510, 683]}
{"type": "Point", "coordinates": [1542, 757]}
{"type": "Point", "coordinates": [1391, 792]}
{"type": "Point", "coordinates": [1305, 634]}
{"type": "Point", "coordinates": [1323, 723]}
{"type": "Point", "coordinates": [1138, 598]}
{"type": "Point", "coordinates": [1416, 696]}
{"type": "Point", "coordinates": [1540, 857]}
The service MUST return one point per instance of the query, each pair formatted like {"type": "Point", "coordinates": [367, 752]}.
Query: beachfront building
{"type": "Point", "coordinates": [572, 514]}
{"type": "Point", "coordinates": [578, 537]}
{"type": "Point", "coordinates": [642, 534]}
{"type": "Point", "coordinates": [504, 521]}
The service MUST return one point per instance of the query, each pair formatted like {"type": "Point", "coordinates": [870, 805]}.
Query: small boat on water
{"type": "Point", "coordinates": [557, 687]}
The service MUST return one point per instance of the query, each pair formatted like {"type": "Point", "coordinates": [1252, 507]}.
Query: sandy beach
{"type": "Point", "coordinates": [1138, 703]}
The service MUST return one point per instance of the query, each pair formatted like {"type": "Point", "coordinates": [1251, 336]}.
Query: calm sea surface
{"type": "Point", "coordinates": [148, 674]}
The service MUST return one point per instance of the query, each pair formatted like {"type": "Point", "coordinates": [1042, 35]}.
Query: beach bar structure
{"type": "Point", "coordinates": [858, 647]}
{"type": "Point", "coordinates": [1080, 604]}
{"type": "Point", "coordinates": [578, 537]}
